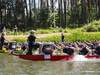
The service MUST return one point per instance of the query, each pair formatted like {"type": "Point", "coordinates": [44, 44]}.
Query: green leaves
{"type": "Point", "coordinates": [93, 26]}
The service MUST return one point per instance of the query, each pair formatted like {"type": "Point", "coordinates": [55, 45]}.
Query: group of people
{"type": "Point", "coordinates": [82, 48]}
{"type": "Point", "coordinates": [74, 48]}
{"type": "Point", "coordinates": [11, 46]}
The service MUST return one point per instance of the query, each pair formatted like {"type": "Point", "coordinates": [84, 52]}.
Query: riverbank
{"type": "Point", "coordinates": [89, 32]}
{"type": "Point", "coordinates": [56, 37]}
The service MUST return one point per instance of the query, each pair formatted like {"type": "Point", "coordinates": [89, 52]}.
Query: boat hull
{"type": "Point", "coordinates": [92, 57]}
{"type": "Point", "coordinates": [42, 57]}
{"type": "Point", "coordinates": [53, 57]}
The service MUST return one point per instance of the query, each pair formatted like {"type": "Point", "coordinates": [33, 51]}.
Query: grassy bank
{"type": "Point", "coordinates": [82, 36]}
{"type": "Point", "coordinates": [38, 31]}
{"type": "Point", "coordinates": [69, 37]}
{"type": "Point", "coordinates": [89, 32]}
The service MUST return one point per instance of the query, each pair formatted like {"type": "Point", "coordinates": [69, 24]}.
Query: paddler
{"type": "Point", "coordinates": [31, 42]}
{"type": "Point", "coordinates": [47, 49]}
{"type": "Point", "coordinates": [97, 50]}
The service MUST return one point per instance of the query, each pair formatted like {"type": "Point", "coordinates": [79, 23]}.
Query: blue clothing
{"type": "Point", "coordinates": [31, 43]}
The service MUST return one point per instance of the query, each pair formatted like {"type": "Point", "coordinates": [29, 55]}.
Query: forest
{"type": "Point", "coordinates": [34, 14]}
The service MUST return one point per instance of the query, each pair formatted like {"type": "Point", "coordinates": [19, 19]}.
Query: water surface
{"type": "Point", "coordinates": [11, 65]}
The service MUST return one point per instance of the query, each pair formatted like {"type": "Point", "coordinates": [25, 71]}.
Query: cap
{"type": "Point", "coordinates": [32, 31]}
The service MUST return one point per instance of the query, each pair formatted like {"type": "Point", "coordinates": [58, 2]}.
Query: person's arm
{"type": "Point", "coordinates": [40, 49]}
{"type": "Point", "coordinates": [5, 40]}
{"type": "Point", "coordinates": [89, 51]}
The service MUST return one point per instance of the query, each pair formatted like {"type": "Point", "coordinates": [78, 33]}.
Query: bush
{"type": "Point", "coordinates": [92, 27]}
{"type": "Point", "coordinates": [99, 28]}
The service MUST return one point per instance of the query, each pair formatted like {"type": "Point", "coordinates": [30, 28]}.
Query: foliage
{"type": "Point", "coordinates": [29, 14]}
{"type": "Point", "coordinates": [93, 26]}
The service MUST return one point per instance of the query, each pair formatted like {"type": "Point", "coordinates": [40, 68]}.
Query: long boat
{"type": "Point", "coordinates": [43, 57]}
{"type": "Point", "coordinates": [54, 57]}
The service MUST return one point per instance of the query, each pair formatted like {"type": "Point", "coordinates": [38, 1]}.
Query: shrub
{"type": "Point", "coordinates": [91, 29]}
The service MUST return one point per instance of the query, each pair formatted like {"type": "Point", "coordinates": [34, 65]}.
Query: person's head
{"type": "Point", "coordinates": [32, 31]}
{"type": "Point", "coordinates": [62, 33]}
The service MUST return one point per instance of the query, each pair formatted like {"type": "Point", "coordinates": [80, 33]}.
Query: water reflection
{"type": "Point", "coordinates": [11, 65]}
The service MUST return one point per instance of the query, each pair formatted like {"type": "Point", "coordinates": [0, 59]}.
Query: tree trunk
{"type": "Point", "coordinates": [64, 13]}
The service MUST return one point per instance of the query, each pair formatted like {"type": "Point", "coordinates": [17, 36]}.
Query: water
{"type": "Point", "coordinates": [11, 65]}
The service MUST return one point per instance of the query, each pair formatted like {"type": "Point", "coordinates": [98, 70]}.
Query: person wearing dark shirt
{"type": "Point", "coordinates": [68, 50]}
{"type": "Point", "coordinates": [97, 50]}
{"type": "Point", "coordinates": [2, 40]}
{"type": "Point", "coordinates": [62, 37]}
{"type": "Point", "coordinates": [1, 27]}
{"type": "Point", "coordinates": [84, 51]}
{"type": "Point", "coordinates": [31, 42]}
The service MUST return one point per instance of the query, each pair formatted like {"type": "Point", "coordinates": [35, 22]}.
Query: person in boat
{"type": "Point", "coordinates": [23, 47]}
{"type": "Point", "coordinates": [48, 49]}
{"type": "Point", "coordinates": [97, 50]}
{"type": "Point", "coordinates": [2, 40]}
{"type": "Point", "coordinates": [59, 48]}
{"type": "Point", "coordinates": [68, 50]}
{"type": "Point", "coordinates": [84, 50]}
{"type": "Point", "coordinates": [12, 47]}
{"type": "Point", "coordinates": [6, 46]}
{"type": "Point", "coordinates": [31, 42]}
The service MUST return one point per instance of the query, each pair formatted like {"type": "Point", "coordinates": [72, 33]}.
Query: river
{"type": "Point", "coordinates": [12, 65]}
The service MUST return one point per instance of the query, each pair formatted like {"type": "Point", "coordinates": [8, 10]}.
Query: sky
{"type": "Point", "coordinates": [56, 4]}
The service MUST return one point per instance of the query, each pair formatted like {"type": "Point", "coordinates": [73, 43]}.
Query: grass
{"type": "Point", "coordinates": [83, 36]}
{"type": "Point", "coordinates": [72, 37]}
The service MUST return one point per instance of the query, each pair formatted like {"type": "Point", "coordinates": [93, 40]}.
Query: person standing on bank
{"type": "Point", "coordinates": [62, 37]}
{"type": "Point", "coordinates": [2, 40]}
{"type": "Point", "coordinates": [31, 42]}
